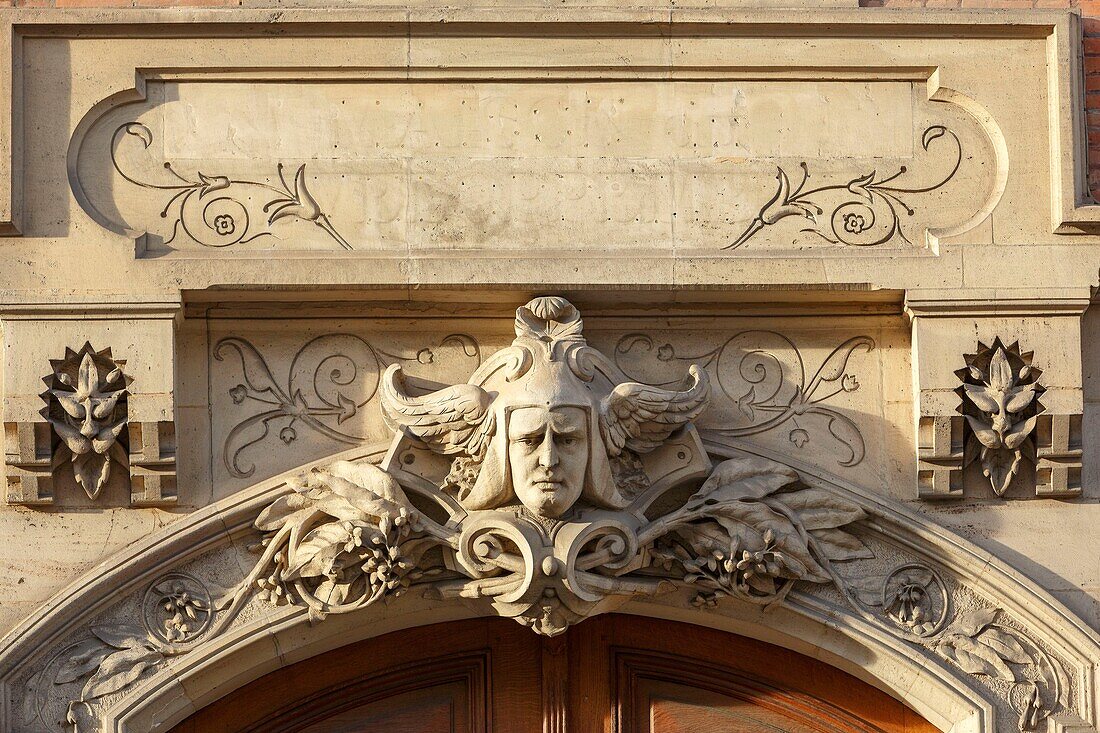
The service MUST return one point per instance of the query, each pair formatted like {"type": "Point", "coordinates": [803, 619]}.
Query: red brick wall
{"type": "Point", "coordinates": [1090, 13]}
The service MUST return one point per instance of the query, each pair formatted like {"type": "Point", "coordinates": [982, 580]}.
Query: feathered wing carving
{"type": "Point", "coordinates": [453, 421]}
{"type": "Point", "coordinates": [640, 418]}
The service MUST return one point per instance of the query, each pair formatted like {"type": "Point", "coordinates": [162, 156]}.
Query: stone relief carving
{"type": "Point", "coordinates": [864, 210]}
{"type": "Point", "coordinates": [549, 488]}
{"type": "Point", "coordinates": [763, 373]}
{"type": "Point", "coordinates": [331, 378]}
{"type": "Point", "coordinates": [214, 210]}
{"type": "Point", "coordinates": [1000, 402]}
{"type": "Point", "coordinates": [86, 406]}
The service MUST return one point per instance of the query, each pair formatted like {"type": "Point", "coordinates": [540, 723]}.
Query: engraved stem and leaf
{"type": "Point", "coordinates": [868, 214]}
{"type": "Point", "coordinates": [331, 378]}
{"type": "Point", "coordinates": [211, 209]}
{"type": "Point", "coordinates": [769, 385]}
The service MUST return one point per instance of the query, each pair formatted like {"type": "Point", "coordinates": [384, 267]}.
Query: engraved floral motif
{"type": "Point", "coordinates": [177, 608]}
{"type": "Point", "coordinates": [763, 374]}
{"type": "Point", "coordinates": [866, 214]}
{"type": "Point", "coordinates": [214, 211]}
{"type": "Point", "coordinates": [330, 379]}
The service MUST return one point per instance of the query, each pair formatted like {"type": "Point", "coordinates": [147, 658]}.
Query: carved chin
{"type": "Point", "coordinates": [548, 499]}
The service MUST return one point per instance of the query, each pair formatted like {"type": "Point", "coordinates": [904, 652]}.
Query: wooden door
{"type": "Point", "coordinates": [611, 674]}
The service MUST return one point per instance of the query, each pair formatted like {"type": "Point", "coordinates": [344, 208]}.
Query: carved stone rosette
{"type": "Point", "coordinates": [86, 406]}
{"type": "Point", "coordinates": [1000, 400]}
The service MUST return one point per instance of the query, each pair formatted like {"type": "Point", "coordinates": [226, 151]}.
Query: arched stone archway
{"type": "Point", "coordinates": [211, 547]}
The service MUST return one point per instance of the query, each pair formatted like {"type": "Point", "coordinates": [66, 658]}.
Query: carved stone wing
{"type": "Point", "coordinates": [640, 418]}
{"type": "Point", "coordinates": [453, 420]}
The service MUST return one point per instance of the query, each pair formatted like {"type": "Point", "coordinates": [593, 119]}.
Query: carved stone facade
{"type": "Point", "coordinates": [369, 319]}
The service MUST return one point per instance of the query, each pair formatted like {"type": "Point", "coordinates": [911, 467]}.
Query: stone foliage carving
{"type": "Point", "coordinates": [86, 405]}
{"type": "Point", "coordinates": [864, 210]}
{"type": "Point", "coordinates": [549, 488]}
{"type": "Point", "coordinates": [1000, 400]}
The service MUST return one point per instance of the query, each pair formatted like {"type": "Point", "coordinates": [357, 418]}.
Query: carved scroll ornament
{"type": "Point", "coordinates": [549, 488]}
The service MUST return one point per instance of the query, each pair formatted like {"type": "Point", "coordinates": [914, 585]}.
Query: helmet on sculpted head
{"type": "Point", "coordinates": [549, 368]}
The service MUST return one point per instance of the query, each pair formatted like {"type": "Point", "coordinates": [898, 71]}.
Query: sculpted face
{"type": "Point", "coordinates": [548, 457]}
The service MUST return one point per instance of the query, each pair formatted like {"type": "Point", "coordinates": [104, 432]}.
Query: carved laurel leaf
{"type": "Point", "coordinates": [119, 670]}
{"type": "Point", "coordinates": [841, 546]}
{"type": "Point", "coordinates": [971, 623]}
{"type": "Point", "coordinates": [742, 478]}
{"type": "Point", "coordinates": [315, 555]}
{"type": "Point", "coordinates": [820, 509]}
{"type": "Point", "coordinates": [977, 658]}
{"type": "Point", "coordinates": [751, 518]}
{"type": "Point", "coordinates": [1005, 645]}
{"type": "Point", "coordinates": [83, 660]}
{"type": "Point", "coordinates": [120, 637]}
{"type": "Point", "coordinates": [290, 508]}
{"type": "Point", "coordinates": [333, 592]}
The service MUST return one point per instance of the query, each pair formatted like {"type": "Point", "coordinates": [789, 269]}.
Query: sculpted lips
{"type": "Point", "coordinates": [547, 484]}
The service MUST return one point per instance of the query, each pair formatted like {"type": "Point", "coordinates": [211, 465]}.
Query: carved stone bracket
{"type": "Point", "coordinates": [152, 463]}
{"type": "Point", "coordinates": [94, 437]}
{"type": "Point", "coordinates": [986, 424]}
{"type": "Point", "coordinates": [28, 459]}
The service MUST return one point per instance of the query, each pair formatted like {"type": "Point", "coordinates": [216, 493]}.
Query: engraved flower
{"type": "Point", "coordinates": [665, 352]}
{"type": "Point", "coordinates": [238, 393]}
{"type": "Point", "coordinates": [224, 224]}
{"type": "Point", "coordinates": [288, 435]}
{"type": "Point", "coordinates": [849, 383]}
{"type": "Point", "coordinates": [854, 223]}
{"type": "Point", "coordinates": [184, 614]}
{"type": "Point", "coordinates": [799, 437]}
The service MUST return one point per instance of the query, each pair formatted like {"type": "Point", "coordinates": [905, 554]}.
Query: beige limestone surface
{"type": "Point", "coordinates": [258, 211]}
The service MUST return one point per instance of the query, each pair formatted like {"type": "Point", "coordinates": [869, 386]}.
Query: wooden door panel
{"type": "Point", "coordinates": [661, 693]}
{"type": "Point", "coordinates": [442, 709]}
{"type": "Point", "coordinates": [610, 674]}
{"type": "Point", "coordinates": [630, 675]}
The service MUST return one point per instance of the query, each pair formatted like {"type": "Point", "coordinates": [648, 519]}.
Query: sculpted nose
{"type": "Point", "coordinates": [548, 454]}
